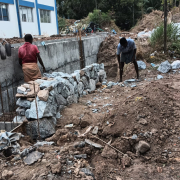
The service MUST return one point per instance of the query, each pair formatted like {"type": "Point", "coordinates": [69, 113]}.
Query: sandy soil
{"type": "Point", "coordinates": [120, 115]}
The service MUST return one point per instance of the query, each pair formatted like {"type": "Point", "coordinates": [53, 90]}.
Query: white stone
{"type": "Point", "coordinates": [141, 65]}
{"type": "Point", "coordinates": [58, 115]}
{"type": "Point", "coordinates": [21, 90]}
{"type": "Point", "coordinates": [27, 86]}
{"type": "Point", "coordinates": [175, 64]}
{"type": "Point", "coordinates": [159, 77]}
{"type": "Point", "coordinates": [19, 119]}
{"type": "Point", "coordinates": [164, 67]}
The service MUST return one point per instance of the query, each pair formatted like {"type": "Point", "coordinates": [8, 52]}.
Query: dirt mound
{"type": "Point", "coordinates": [149, 21]}
{"type": "Point", "coordinates": [176, 18]}
{"type": "Point", "coordinates": [107, 55]}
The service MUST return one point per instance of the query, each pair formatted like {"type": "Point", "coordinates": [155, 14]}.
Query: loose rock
{"type": "Point", "coordinates": [142, 147]}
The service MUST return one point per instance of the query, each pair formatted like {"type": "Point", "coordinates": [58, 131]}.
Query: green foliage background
{"type": "Point", "coordinates": [122, 11]}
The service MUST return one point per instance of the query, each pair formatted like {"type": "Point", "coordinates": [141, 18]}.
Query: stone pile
{"type": "Point", "coordinates": [54, 92]}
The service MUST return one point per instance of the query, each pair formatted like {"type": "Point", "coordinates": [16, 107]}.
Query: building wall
{"type": "Point", "coordinates": [9, 29]}
{"type": "Point", "coordinates": [48, 29]}
{"type": "Point", "coordinates": [31, 27]}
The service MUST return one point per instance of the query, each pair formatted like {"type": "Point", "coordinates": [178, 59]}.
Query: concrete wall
{"type": "Point", "coordinates": [59, 56]}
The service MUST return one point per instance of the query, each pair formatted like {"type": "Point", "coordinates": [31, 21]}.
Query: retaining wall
{"type": "Point", "coordinates": [61, 55]}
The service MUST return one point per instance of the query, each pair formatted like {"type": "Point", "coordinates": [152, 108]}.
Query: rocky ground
{"type": "Point", "coordinates": [130, 119]}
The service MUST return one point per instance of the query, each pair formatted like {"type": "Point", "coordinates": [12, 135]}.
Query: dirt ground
{"type": "Point", "coordinates": [124, 116]}
{"type": "Point", "coordinates": [150, 111]}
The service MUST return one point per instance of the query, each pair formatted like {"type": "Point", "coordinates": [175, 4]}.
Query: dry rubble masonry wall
{"type": "Point", "coordinates": [62, 55]}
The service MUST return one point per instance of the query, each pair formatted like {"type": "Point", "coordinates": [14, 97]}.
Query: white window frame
{"type": "Point", "coordinates": [27, 14]}
{"type": "Point", "coordinates": [45, 16]}
{"type": "Point", "coordinates": [7, 7]}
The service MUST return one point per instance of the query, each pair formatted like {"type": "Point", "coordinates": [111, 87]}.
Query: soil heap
{"type": "Point", "coordinates": [149, 21]}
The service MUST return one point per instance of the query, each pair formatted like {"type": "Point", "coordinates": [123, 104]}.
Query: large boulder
{"type": "Point", "coordinates": [45, 109]}
{"type": "Point", "coordinates": [164, 67]}
{"type": "Point", "coordinates": [85, 82]}
{"type": "Point", "coordinates": [92, 85]}
{"type": "Point", "coordinates": [23, 103]}
{"type": "Point", "coordinates": [102, 75]}
{"type": "Point", "coordinates": [46, 128]}
{"type": "Point", "coordinates": [80, 88]}
{"type": "Point", "coordinates": [72, 99]}
{"type": "Point", "coordinates": [60, 100]}
{"type": "Point", "coordinates": [76, 75]}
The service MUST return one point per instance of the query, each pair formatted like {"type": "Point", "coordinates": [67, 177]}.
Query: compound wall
{"type": "Point", "coordinates": [59, 55]}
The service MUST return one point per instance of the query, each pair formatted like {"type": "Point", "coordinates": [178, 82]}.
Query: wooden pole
{"type": "Point", "coordinates": [37, 112]}
{"type": "Point", "coordinates": [165, 26]}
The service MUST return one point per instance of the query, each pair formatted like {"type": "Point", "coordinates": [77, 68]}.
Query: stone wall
{"type": "Point", "coordinates": [54, 92]}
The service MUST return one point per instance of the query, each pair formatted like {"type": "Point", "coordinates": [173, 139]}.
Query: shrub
{"type": "Point", "coordinates": [61, 23]}
{"type": "Point", "coordinates": [157, 37]}
{"type": "Point", "coordinates": [99, 18]}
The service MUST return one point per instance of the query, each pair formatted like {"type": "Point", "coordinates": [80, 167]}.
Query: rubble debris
{"type": "Point", "coordinates": [108, 152]}
{"type": "Point", "coordinates": [86, 171]}
{"type": "Point", "coordinates": [7, 174]}
{"type": "Point", "coordinates": [86, 132]}
{"type": "Point", "coordinates": [143, 121]}
{"type": "Point", "coordinates": [141, 65]}
{"type": "Point", "coordinates": [110, 84]}
{"type": "Point", "coordinates": [33, 157]}
{"type": "Point", "coordinates": [26, 151]}
{"type": "Point", "coordinates": [93, 144]}
{"type": "Point", "coordinates": [159, 77]}
{"type": "Point", "coordinates": [81, 156]}
{"type": "Point", "coordinates": [39, 143]}
{"type": "Point", "coordinates": [164, 67]}
{"type": "Point", "coordinates": [142, 147]}
{"type": "Point", "coordinates": [69, 126]}
{"type": "Point", "coordinates": [8, 139]}
{"type": "Point", "coordinates": [56, 168]}
{"type": "Point", "coordinates": [126, 161]}
{"type": "Point", "coordinates": [20, 111]}
{"type": "Point", "coordinates": [95, 130]}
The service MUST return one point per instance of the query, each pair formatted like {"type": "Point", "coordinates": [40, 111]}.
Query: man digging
{"type": "Point", "coordinates": [127, 49]}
